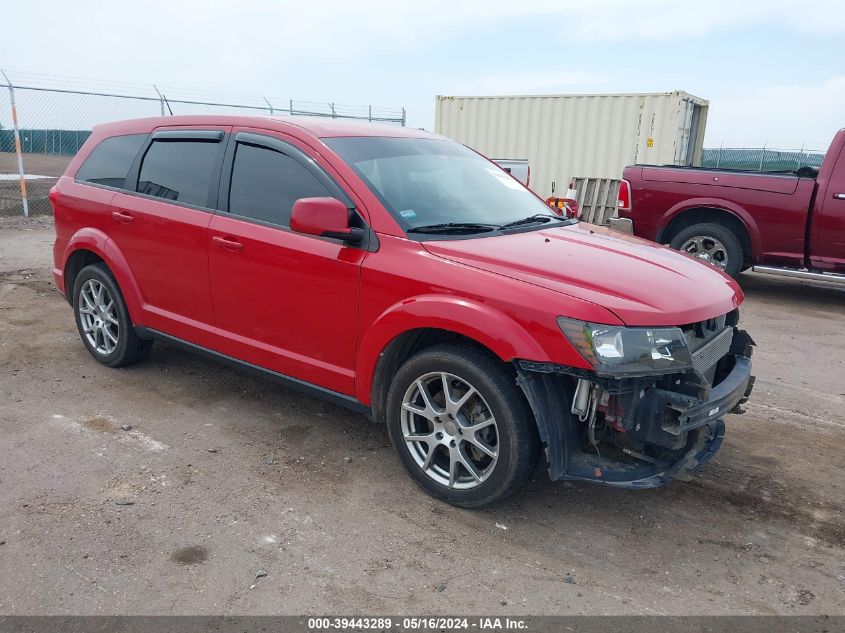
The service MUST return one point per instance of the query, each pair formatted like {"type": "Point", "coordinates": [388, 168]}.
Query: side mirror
{"type": "Point", "coordinates": [325, 217]}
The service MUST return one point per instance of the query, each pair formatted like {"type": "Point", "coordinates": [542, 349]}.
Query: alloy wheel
{"type": "Point", "coordinates": [98, 315]}
{"type": "Point", "coordinates": [708, 249]}
{"type": "Point", "coordinates": [449, 430]}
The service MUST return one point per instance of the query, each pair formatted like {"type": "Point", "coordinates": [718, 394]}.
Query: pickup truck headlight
{"type": "Point", "coordinates": [629, 351]}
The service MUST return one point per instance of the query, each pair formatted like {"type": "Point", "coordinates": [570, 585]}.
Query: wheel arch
{"type": "Point", "coordinates": [90, 246]}
{"type": "Point", "coordinates": [408, 327]}
{"type": "Point", "coordinates": [734, 218]}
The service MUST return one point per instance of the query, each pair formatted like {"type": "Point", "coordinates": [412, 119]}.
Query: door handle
{"type": "Point", "coordinates": [122, 216]}
{"type": "Point", "coordinates": [839, 196]}
{"type": "Point", "coordinates": [227, 243]}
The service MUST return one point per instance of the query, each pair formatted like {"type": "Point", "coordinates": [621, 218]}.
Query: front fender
{"type": "Point", "coordinates": [497, 331]}
{"type": "Point", "coordinates": [102, 246]}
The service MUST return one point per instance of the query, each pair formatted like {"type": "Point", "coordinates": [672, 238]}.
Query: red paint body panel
{"type": "Point", "coordinates": [321, 311]}
{"type": "Point", "coordinates": [606, 268]}
{"type": "Point", "coordinates": [827, 228]}
{"type": "Point", "coordinates": [286, 301]}
{"type": "Point", "coordinates": [779, 211]}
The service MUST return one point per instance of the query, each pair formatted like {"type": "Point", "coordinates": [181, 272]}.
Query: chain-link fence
{"type": "Point", "coordinates": [55, 116]}
{"type": "Point", "coordinates": [760, 158]}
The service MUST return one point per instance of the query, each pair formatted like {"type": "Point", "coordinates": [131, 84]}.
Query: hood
{"type": "Point", "coordinates": [641, 282]}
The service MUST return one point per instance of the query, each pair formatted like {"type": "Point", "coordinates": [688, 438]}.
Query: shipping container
{"type": "Point", "coordinates": [569, 137]}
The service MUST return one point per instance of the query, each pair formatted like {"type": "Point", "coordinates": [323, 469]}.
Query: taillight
{"type": "Point", "coordinates": [623, 202]}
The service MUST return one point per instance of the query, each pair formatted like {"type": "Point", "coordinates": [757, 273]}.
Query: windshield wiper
{"type": "Point", "coordinates": [454, 227]}
{"type": "Point", "coordinates": [537, 218]}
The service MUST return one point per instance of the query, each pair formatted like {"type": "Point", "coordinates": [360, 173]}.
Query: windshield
{"type": "Point", "coordinates": [437, 185]}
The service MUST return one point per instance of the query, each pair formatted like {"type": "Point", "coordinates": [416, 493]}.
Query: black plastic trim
{"type": "Point", "coordinates": [340, 399]}
{"type": "Point", "coordinates": [212, 136]}
{"type": "Point", "coordinates": [722, 398]}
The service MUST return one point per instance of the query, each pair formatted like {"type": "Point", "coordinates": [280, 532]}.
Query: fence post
{"type": "Point", "coordinates": [800, 157]}
{"type": "Point", "coordinates": [160, 99]}
{"type": "Point", "coordinates": [17, 145]}
{"type": "Point", "coordinates": [370, 115]}
{"type": "Point", "coordinates": [762, 157]}
{"type": "Point", "coordinates": [403, 117]}
{"type": "Point", "coordinates": [719, 155]}
{"type": "Point", "coordinates": [291, 107]}
{"type": "Point", "coordinates": [270, 105]}
{"type": "Point", "coordinates": [331, 105]}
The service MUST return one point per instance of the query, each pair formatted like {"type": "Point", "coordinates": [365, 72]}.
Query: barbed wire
{"type": "Point", "coordinates": [55, 115]}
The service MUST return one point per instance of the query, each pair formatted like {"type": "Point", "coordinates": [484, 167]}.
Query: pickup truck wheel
{"type": "Point", "coordinates": [103, 321]}
{"type": "Point", "coordinates": [712, 243]}
{"type": "Point", "coordinates": [461, 427]}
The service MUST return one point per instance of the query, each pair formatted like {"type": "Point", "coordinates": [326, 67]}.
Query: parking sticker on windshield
{"type": "Point", "coordinates": [408, 213]}
{"type": "Point", "coordinates": [504, 178]}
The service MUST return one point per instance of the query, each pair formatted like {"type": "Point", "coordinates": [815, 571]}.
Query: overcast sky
{"type": "Point", "coordinates": [773, 70]}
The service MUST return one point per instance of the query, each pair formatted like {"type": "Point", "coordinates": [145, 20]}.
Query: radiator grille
{"type": "Point", "coordinates": [699, 334]}
{"type": "Point", "coordinates": [706, 356]}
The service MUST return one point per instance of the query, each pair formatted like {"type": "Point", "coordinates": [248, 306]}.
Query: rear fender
{"type": "Point", "coordinates": [97, 242]}
{"type": "Point", "coordinates": [717, 204]}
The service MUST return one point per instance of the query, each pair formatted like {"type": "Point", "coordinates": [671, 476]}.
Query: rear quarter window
{"type": "Point", "coordinates": [108, 164]}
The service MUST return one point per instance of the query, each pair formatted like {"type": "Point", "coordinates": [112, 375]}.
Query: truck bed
{"type": "Point", "coordinates": [774, 182]}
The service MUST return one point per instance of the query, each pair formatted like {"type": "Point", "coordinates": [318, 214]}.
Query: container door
{"type": "Point", "coordinates": [690, 119]}
{"type": "Point", "coordinates": [693, 134]}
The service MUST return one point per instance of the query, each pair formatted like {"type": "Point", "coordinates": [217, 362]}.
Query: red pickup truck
{"type": "Point", "coordinates": [782, 223]}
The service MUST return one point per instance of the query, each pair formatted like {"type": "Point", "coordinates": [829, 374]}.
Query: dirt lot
{"type": "Point", "coordinates": [222, 475]}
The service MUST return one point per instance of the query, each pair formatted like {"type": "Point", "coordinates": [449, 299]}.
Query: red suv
{"type": "Point", "coordinates": [404, 276]}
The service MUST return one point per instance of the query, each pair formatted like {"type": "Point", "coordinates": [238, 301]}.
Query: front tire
{"type": "Point", "coordinates": [103, 320]}
{"type": "Point", "coordinates": [461, 426]}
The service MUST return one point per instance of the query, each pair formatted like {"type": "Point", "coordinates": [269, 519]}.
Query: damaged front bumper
{"type": "Point", "coordinates": [641, 432]}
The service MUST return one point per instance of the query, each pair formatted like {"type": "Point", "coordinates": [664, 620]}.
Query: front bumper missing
{"type": "Point", "coordinates": [697, 423]}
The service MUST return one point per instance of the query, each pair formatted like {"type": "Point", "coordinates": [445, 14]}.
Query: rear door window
{"type": "Point", "coordinates": [179, 170]}
{"type": "Point", "coordinates": [266, 183]}
{"type": "Point", "coordinates": [109, 163]}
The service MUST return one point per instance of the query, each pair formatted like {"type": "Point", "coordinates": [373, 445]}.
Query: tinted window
{"type": "Point", "coordinates": [266, 183]}
{"type": "Point", "coordinates": [111, 160]}
{"type": "Point", "coordinates": [179, 170]}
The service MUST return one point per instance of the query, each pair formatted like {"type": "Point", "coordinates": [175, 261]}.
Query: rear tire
{"type": "Point", "coordinates": [103, 320]}
{"type": "Point", "coordinates": [479, 447]}
{"type": "Point", "coordinates": [713, 243]}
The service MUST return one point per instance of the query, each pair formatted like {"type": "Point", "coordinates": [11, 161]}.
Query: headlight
{"type": "Point", "coordinates": [632, 351]}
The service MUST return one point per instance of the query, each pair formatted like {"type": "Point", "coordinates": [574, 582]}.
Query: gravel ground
{"type": "Point", "coordinates": [222, 477]}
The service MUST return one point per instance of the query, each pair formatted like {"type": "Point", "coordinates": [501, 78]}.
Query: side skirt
{"type": "Point", "coordinates": [339, 399]}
